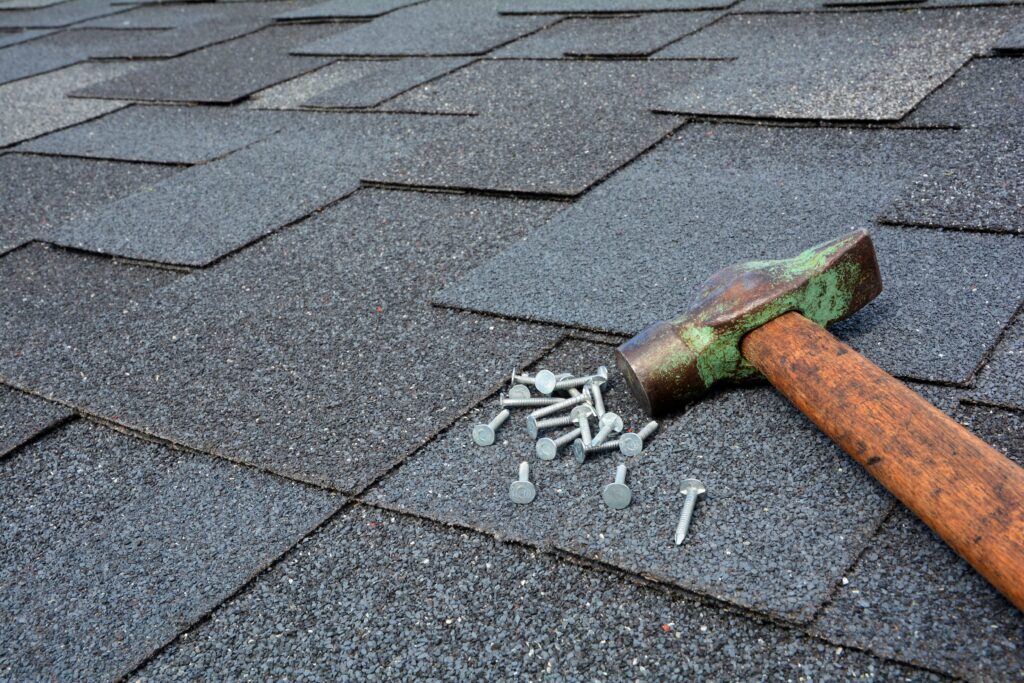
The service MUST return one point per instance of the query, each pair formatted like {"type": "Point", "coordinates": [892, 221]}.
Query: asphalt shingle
{"type": "Point", "coordinates": [182, 135]}
{"type": "Point", "coordinates": [786, 511]}
{"type": "Point", "coordinates": [633, 36]}
{"type": "Point", "coordinates": [375, 596]}
{"type": "Point", "coordinates": [23, 417]}
{"type": "Point", "coordinates": [433, 28]}
{"type": "Point", "coordinates": [14, 37]}
{"type": "Point", "coordinates": [344, 9]}
{"type": "Point", "coordinates": [785, 6]}
{"type": "Point", "coordinates": [607, 6]}
{"type": "Point", "coordinates": [220, 74]}
{"type": "Point", "coordinates": [530, 136]}
{"type": "Point", "coordinates": [335, 367]}
{"type": "Point", "coordinates": [912, 599]}
{"type": "Point", "coordinates": [1001, 381]}
{"type": "Point", "coordinates": [980, 188]}
{"type": "Point", "coordinates": [355, 83]}
{"type": "Point", "coordinates": [63, 48]}
{"type": "Point", "coordinates": [753, 192]}
{"type": "Point", "coordinates": [39, 105]}
{"type": "Point", "coordinates": [50, 293]}
{"type": "Point", "coordinates": [58, 15]}
{"type": "Point", "coordinates": [986, 93]}
{"type": "Point", "coordinates": [40, 193]}
{"type": "Point", "coordinates": [207, 211]}
{"type": "Point", "coordinates": [819, 66]}
{"type": "Point", "coordinates": [1012, 42]}
{"type": "Point", "coordinates": [112, 545]}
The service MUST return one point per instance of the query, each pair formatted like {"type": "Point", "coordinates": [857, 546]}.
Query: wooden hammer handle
{"type": "Point", "coordinates": [969, 493]}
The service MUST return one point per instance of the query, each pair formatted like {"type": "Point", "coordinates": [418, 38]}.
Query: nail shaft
{"type": "Point", "coordinates": [557, 407]}
{"type": "Point", "coordinates": [537, 402]}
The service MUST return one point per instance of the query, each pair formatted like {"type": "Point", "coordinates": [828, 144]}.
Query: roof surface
{"type": "Point", "coordinates": [265, 264]}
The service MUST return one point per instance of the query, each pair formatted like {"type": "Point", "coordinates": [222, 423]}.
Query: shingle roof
{"type": "Point", "coordinates": [266, 263]}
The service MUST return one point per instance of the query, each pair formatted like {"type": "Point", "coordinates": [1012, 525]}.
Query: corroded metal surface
{"type": "Point", "coordinates": [672, 362]}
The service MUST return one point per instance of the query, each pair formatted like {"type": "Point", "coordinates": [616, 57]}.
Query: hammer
{"type": "Point", "coordinates": [767, 318]}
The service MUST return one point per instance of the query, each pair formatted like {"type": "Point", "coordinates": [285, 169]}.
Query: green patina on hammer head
{"type": "Point", "coordinates": [673, 362]}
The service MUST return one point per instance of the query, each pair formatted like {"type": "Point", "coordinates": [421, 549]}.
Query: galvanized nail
{"type": "Point", "coordinates": [617, 495]}
{"type": "Point", "coordinates": [694, 489]}
{"type": "Point", "coordinates": [519, 391]}
{"type": "Point", "coordinates": [632, 443]}
{"type": "Point", "coordinates": [547, 448]}
{"type": "Point", "coordinates": [565, 404]}
{"type": "Point", "coordinates": [483, 434]}
{"type": "Point", "coordinates": [581, 452]}
{"type": "Point", "coordinates": [532, 402]}
{"type": "Point", "coordinates": [522, 491]}
{"type": "Point", "coordinates": [609, 422]}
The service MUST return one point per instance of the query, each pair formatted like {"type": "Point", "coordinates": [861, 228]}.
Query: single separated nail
{"type": "Point", "coordinates": [483, 434]}
{"type": "Point", "coordinates": [522, 491]}
{"type": "Point", "coordinates": [617, 495]}
{"type": "Point", "coordinates": [694, 489]}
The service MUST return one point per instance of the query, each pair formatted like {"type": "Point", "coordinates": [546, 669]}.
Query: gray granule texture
{"type": "Point", "coordinates": [833, 66]}
{"type": "Point", "coordinates": [344, 9]}
{"type": "Point", "coordinates": [1001, 381]}
{"type": "Point", "coordinates": [58, 49]}
{"type": "Point", "coordinates": [986, 93]}
{"type": "Point", "coordinates": [58, 15]}
{"type": "Point", "coordinates": [204, 212]}
{"type": "Point", "coordinates": [39, 104]}
{"type": "Point", "coordinates": [113, 545]}
{"type": "Point", "coordinates": [353, 83]}
{"type": "Point", "coordinates": [981, 187]}
{"type": "Point", "coordinates": [13, 37]}
{"type": "Point", "coordinates": [438, 27]}
{"type": "Point", "coordinates": [380, 597]}
{"type": "Point", "coordinates": [718, 195]}
{"type": "Point", "coordinates": [781, 6]}
{"type": "Point", "coordinates": [544, 88]}
{"type": "Point", "coordinates": [40, 193]}
{"type": "Point", "coordinates": [785, 512]}
{"type": "Point", "coordinates": [1012, 42]}
{"type": "Point", "coordinates": [551, 127]}
{"type": "Point", "coordinates": [222, 73]}
{"type": "Point", "coordinates": [635, 36]}
{"type": "Point", "coordinates": [22, 417]}
{"type": "Point", "coordinates": [206, 16]}
{"type": "Point", "coordinates": [910, 597]}
{"type": "Point", "coordinates": [305, 355]}
{"type": "Point", "coordinates": [607, 6]}
{"type": "Point", "coordinates": [183, 135]}
{"type": "Point", "coordinates": [50, 293]}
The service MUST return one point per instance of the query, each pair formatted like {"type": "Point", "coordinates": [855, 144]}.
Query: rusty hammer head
{"type": "Point", "coordinates": [673, 362]}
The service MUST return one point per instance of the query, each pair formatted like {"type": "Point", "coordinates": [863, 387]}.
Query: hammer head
{"type": "Point", "coordinates": [674, 362]}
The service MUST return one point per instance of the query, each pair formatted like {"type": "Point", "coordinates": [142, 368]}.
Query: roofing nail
{"type": "Point", "coordinates": [632, 443]}
{"type": "Point", "coordinates": [532, 402]}
{"type": "Point", "coordinates": [519, 391]}
{"type": "Point", "coordinates": [595, 392]}
{"type": "Point", "coordinates": [542, 380]}
{"type": "Point", "coordinates": [694, 489]}
{"type": "Point", "coordinates": [522, 491]}
{"type": "Point", "coordinates": [547, 448]}
{"type": "Point", "coordinates": [534, 426]}
{"type": "Point", "coordinates": [617, 495]}
{"type": "Point", "coordinates": [585, 435]}
{"type": "Point", "coordinates": [581, 452]}
{"type": "Point", "coordinates": [483, 434]}
{"type": "Point", "coordinates": [562, 405]}
{"type": "Point", "coordinates": [609, 422]}
{"type": "Point", "coordinates": [574, 382]}
{"type": "Point", "coordinates": [545, 381]}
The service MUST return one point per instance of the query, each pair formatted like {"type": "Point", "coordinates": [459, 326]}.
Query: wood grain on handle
{"type": "Point", "coordinates": [969, 493]}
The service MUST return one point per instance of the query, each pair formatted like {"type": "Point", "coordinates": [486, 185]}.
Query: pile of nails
{"type": "Point", "coordinates": [566, 401]}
